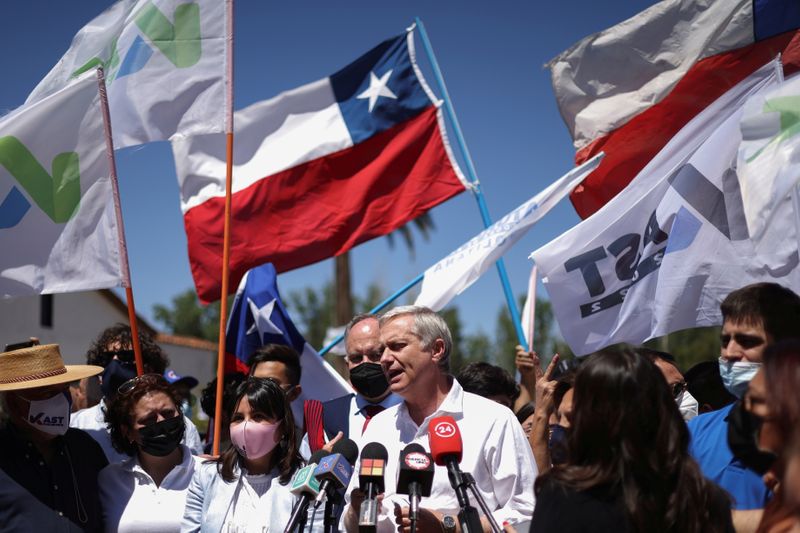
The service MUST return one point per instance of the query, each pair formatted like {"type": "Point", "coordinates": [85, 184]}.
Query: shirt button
{"type": "Point", "coordinates": [41, 463]}
{"type": "Point", "coordinates": [60, 513]}
{"type": "Point", "coordinates": [55, 487]}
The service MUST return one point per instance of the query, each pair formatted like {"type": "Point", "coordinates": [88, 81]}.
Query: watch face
{"type": "Point", "coordinates": [449, 523]}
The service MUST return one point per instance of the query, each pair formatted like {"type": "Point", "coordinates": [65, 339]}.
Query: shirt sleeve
{"type": "Point", "coordinates": [512, 472]}
{"type": "Point", "coordinates": [193, 511]}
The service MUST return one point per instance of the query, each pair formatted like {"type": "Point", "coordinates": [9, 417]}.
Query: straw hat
{"type": "Point", "coordinates": [39, 366]}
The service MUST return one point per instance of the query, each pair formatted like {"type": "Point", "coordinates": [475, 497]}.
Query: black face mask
{"type": "Point", "coordinates": [161, 439]}
{"type": "Point", "coordinates": [115, 374]}
{"type": "Point", "coordinates": [557, 443]}
{"type": "Point", "coordinates": [743, 431]}
{"type": "Point", "coordinates": [369, 380]}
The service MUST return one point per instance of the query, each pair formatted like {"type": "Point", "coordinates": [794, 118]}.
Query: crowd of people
{"type": "Point", "coordinates": [620, 440]}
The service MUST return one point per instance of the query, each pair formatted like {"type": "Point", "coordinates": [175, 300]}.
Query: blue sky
{"type": "Point", "coordinates": [492, 55]}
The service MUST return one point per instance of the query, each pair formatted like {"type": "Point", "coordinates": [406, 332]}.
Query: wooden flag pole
{"type": "Point", "coordinates": [123, 246]}
{"type": "Point", "coordinates": [226, 239]}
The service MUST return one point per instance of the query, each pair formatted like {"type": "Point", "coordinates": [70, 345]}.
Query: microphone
{"type": "Point", "coordinates": [334, 471]}
{"type": "Point", "coordinates": [446, 448]}
{"type": "Point", "coordinates": [370, 480]}
{"type": "Point", "coordinates": [416, 476]}
{"type": "Point", "coordinates": [305, 485]}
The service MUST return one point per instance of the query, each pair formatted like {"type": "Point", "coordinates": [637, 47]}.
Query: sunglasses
{"type": "Point", "coordinates": [126, 356]}
{"type": "Point", "coordinates": [132, 383]}
{"type": "Point", "coordinates": [678, 388]}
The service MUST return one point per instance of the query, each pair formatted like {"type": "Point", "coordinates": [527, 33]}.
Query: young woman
{"type": "Point", "coordinates": [246, 488]}
{"type": "Point", "coordinates": [146, 492]}
{"type": "Point", "coordinates": [628, 468]}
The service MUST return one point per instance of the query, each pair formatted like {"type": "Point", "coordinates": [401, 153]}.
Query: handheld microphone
{"type": "Point", "coordinates": [446, 449]}
{"type": "Point", "coordinates": [334, 471]}
{"type": "Point", "coordinates": [416, 476]}
{"type": "Point", "coordinates": [370, 480]}
{"type": "Point", "coordinates": [305, 485]}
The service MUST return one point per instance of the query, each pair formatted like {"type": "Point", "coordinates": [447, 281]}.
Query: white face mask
{"type": "Point", "coordinates": [50, 415]}
{"type": "Point", "coordinates": [687, 405]}
{"type": "Point", "coordinates": [737, 375]}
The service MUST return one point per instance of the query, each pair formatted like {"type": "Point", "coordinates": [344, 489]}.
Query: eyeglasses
{"type": "Point", "coordinates": [131, 384]}
{"type": "Point", "coordinates": [678, 388]}
{"type": "Point", "coordinates": [126, 356]}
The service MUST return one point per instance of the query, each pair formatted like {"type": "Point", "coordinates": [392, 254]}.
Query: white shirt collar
{"type": "Point", "coordinates": [452, 405]}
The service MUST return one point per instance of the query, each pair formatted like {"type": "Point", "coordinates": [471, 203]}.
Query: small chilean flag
{"type": "Point", "coordinates": [318, 169]}
{"type": "Point", "coordinates": [628, 90]}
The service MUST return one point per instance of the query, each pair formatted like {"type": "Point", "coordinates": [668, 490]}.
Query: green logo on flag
{"type": "Point", "coordinates": [180, 42]}
{"type": "Point", "coordinates": [789, 109]}
{"type": "Point", "coordinates": [59, 194]}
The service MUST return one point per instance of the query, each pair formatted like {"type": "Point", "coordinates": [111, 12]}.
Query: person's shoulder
{"type": "Point", "coordinates": [86, 418]}
{"type": "Point", "coordinates": [114, 471]}
{"type": "Point", "coordinates": [83, 441]}
{"type": "Point", "coordinates": [702, 422]}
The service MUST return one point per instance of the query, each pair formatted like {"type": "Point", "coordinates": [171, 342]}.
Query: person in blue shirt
{"type": "Point", "coordinates": [754, 317]}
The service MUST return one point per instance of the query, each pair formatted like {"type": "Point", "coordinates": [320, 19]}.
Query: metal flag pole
{"type": "Point", "coordinates": [376, 309]}
{"type": "Point", "coordinates": [473, 178]}
{"type": "Point", "coordinates": [123, 245]}
{"type": "Point", "coordinates": [226, 240]}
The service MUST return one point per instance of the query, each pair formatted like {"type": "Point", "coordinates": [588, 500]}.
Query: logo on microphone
{"type": "Point", "coordinates": [417, 461]}
{"type": "Point", "coordinates": [444, 429]}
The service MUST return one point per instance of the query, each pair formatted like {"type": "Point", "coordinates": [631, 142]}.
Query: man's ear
{"type": "Point", "coordinates": [437, 350]}
{"type": "Point", "coordinates": [294, 394]}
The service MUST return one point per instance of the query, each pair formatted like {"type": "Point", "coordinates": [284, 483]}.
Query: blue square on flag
{"type": "Point", "coordinates": [379, 89]}
{"type": "Point", "coordinates": [258, 317]}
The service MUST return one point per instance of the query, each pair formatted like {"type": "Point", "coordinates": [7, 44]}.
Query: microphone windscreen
{"type": "Point", "coordinates": [335, 468]}
{"type": "Point", "coordinates": [416, 466]}
{"type": "Point", "coordinates": [374, 450]}
{"type": "Point", "coordinates": [348, 449]}
{"type": "Point", "coordinates": [445, 439]}
{"type": "Point", "coordinates": [373, 466]}
{"type": "Point", "coordinates": [304, 481]}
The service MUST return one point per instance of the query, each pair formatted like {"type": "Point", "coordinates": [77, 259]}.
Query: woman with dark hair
{"type": "Point", "coordinates": [245, 489]}
{"type": "Point", "coordinates": [146, 492]}
{"type": "Point", "coordinates": [628, 466]}
{"type": "Point", "coordinates": [763, 432]}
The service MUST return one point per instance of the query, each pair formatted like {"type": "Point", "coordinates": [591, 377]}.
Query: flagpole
{"type": "Point", "coordinates": [473, 178]}
{"type": "Point", "coordinates": [226, 240]}
{"type": "Point", "coordinates": [377, 309]}
{"type": "Point", "coordinates": [532, 304]}
{"type": "Point", "coordinates": [123, 245]}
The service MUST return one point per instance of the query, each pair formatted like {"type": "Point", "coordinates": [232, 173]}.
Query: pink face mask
{"type": "Point", "coordinates": [254, 439]}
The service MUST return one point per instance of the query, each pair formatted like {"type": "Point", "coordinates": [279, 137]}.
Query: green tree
{"type": "Point", "coordinates": [689, 346]}
{"type": "Point", "coordinates": [185, 316]}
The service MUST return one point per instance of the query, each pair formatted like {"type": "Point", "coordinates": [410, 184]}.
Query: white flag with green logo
{"type": "Point", "coordinates": [164, 62]}
{"type": "Point", "coordinates": [769, 155]}
{"type": "Point", "coordinates": [58, 228]}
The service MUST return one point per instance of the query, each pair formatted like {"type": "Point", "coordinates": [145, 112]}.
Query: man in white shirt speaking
{"type": "Point", "coordinates": [415, 359]}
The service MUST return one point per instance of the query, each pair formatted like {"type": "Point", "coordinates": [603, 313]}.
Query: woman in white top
{"type": "Point", "coordinates": [247, 488]}
{"type": "Point", "coordinates": [148, 491]}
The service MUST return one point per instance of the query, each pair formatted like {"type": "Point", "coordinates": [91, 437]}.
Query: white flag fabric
{"type": "Point", "coordinates": [452, 275]}
{"type": "Point", "coordinates": [769, 156]}
{"type": "Point", "coordinates": [528, 318]}
{"type": "Point", "coordinates": [663, 254]}
{"type": "Point", "coordinates": [58, 228]}
{"type": "Point", "coordinates": [164, 62]}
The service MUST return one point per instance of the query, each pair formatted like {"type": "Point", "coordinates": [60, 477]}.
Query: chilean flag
{"type": "Point", "coordinates": [258, 317]}
{"type": "Point", "coordinates": [628, 90]}
{"type": "Point", "coordinates": [318, 169]}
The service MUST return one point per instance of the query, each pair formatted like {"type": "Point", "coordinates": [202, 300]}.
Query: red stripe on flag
{"type": "Point", "coordinates": [630, 147]}
{"type": "Point", "coordinates": [324, 207]}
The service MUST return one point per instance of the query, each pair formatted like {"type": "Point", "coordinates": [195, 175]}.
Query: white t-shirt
{"type": "Point", "coordinates": [132, 502]}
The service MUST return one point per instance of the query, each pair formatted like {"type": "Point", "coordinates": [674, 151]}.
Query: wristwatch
{"type": "Point", "coordinates": [448, 524]}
